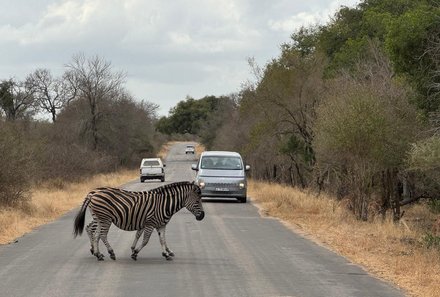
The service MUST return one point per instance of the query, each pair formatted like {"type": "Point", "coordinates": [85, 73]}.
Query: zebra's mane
{"type": "Point", "coordinates": [155, 190]}
{"type": "Point", "coordinates": [169, 186]}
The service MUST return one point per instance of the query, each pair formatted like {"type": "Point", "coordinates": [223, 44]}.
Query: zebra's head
{"type": "Point", "coordinates": [193, 202]}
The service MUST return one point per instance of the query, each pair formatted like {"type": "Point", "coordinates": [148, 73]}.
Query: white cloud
{"type": "Point", "coordinates": [169, 49]}
{"type": "Point", "coordinates": [309, 18]}
{"type": "Point", "coordinates": [293, 23]}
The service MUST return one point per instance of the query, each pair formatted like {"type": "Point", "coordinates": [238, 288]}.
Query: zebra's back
{"type": "Point", "coordinates": [127, 210]}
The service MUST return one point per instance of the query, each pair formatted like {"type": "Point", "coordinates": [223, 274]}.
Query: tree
{"type": "Point", "coordinates": [188, 116]}
{"type": "Point", "coordinates": [16, 100]}
{"type": "Point", "coordinates": [363, 133]}
{"type": "Point", "coordinates": [51, 94]}
{"type": "Point", "coordinates": [127, 129]}
{"type": "Point", "coordinates": [16, 165]}
{"type": "Point", "coordinates": [282, 107]}
{"type": "Point", "coordinates": [407, 41]}
{"type": "Point", "coordinates": [95, 82]}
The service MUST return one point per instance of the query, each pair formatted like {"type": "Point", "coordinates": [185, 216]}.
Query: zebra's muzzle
{"type": "Point", "coordinates": [200, 216]}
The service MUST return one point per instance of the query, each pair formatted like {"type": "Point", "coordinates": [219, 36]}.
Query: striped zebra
{"type": "Point", "coordinates": [140, 211]}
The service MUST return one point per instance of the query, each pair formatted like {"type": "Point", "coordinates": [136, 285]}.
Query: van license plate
{"type": "Point", "coordinates": [222, 189]}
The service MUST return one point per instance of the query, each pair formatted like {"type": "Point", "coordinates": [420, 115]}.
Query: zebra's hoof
{"type": "Point", "coordinates": [100, 257]}
{"type": "Point", "coordinates": [134, 256]}
{"type": "Point", "coordinates": [92, 251]}
{"type": "Point", "coordinates": [112, 256]}
{"type": "Point", "coordinates": [167, 256]}
{"type": "Point", "coordinates": [171, 253]}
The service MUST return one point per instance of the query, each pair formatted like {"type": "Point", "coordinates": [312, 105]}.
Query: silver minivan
{"type": "Point", "coordinates": [222, 174]}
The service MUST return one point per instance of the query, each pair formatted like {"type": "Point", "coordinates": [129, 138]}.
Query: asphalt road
{"type": "Point", "coordinates": [232, 252]}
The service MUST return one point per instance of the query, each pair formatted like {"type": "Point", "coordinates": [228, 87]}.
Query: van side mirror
{"type": "Point", "coordinates": [248, 167]}
{"type": "Point", "coordinates": [194, 167]}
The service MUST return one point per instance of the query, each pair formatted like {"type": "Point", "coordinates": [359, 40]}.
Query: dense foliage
{"type": "Point", "coordinates": [197, 117]}
{"type": "Point", "coordinates": [350, 107]}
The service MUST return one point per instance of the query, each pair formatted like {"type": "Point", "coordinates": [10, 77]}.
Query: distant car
{"type": "Point", "coordinates": [222, 174]}
{"type": "Point", "coordinates": [190, 149]}
{"type": "Point", "coordinates": [152, 168]}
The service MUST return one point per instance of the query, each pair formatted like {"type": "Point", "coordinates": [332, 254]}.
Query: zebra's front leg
{"type": "Point", "coordinates": [136, 238]}
{"type": "Point", "coordinates": [147, 233]}
{"type": "Point", "coordinates": [166, 252]}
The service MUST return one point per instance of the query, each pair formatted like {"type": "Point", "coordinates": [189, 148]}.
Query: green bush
{"type": "Point", "coordinates": [431, 241]}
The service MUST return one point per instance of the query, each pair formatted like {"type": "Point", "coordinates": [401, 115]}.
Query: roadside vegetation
{"type": "Point", "coordinates": [348, 109]}
{"type": "Point", "coordinates": [94, 126]}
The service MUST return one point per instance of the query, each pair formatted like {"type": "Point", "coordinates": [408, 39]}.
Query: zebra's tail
{"type": "Point", "coordinates": [78, 226]}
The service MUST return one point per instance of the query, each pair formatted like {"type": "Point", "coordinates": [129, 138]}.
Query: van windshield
{"type": "Point", "coordinates": [221, 163]}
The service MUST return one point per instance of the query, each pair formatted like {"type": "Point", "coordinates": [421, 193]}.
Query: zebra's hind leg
{"type": "Point", "coordinates": [91, 228]}
{"type": "Point", "coordinates": [96, 236]}
{"type": "Point", "coordinates": [105, 227]}
{"type": "Point", "coordinates": [166, 252]}
{"type": "Point", "coordinates": [147, 233]}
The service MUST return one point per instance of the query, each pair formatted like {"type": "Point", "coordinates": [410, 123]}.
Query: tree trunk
{"type": "Point", "coordinates": [385, 199]}
{"type": "Point", "coordinates": [397, 195]}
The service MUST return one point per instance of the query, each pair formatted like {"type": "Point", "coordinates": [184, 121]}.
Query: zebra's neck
{"type": "Point", "coordinates": [171, 202]}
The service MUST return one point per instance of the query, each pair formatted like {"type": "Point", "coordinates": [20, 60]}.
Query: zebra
{"type": "Point", "coordinates": [140, 211]}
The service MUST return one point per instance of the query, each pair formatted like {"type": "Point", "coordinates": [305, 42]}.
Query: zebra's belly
{"type": "Point", "coordinates": [129, 227]}
{"type": "Point", "coordinates": [152, 221]}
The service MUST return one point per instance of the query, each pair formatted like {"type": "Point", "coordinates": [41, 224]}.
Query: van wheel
{"type": "Point", "coordinates": [242, 199]}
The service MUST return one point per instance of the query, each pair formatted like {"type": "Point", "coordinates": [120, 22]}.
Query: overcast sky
{"type": "Point", "coordinates": [169, 49]}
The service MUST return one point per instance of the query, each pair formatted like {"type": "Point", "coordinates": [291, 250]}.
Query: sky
{"type": "Point", "coordinates": [169, 49]}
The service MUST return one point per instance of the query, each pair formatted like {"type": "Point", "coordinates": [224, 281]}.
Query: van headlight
{"type": "Point", "coordinates": [201, 184]}
{"type": "Point", "coordinates": [241, 185]}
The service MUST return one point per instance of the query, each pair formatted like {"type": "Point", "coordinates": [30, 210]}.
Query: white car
{"type": "Point", "coordinates": [190, 149]}
{"type": "Point", "coordinates": [152, 168]}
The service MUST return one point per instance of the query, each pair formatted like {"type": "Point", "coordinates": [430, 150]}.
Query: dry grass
{"type": "Point", "coordinates": [392, 252]}
{"type": "Point", "coordinates": [199, 149]}
{"type": "Point", "coordinates": [50, 201]}
{"type": "Point", "coordinates": [165, 149]}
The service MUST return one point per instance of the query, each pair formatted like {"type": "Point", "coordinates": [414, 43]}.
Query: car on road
{"type": "Point", "coordinates": [190, 149]}
{"type": "Point", "coordinates": [222, 174]}
{"type": "Point", "coordinates": [152, 168]}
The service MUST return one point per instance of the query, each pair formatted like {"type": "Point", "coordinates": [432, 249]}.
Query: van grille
{"type": "Point", "coordinates": [230, 186]}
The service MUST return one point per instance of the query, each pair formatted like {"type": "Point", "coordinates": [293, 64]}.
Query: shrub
{"type": "Point", "coordinates": [15, 166]}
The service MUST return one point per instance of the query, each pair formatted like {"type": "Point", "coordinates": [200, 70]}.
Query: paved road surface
{"type": "Point", "coordinates": [232, 252]}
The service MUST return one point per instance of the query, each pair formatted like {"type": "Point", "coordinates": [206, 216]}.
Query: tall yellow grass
{"type": "Point", "coordinates": [49, 202]}
{"type": "Point", "coordinates": [165, 149]}
{"type": "Point", "coordinates": [392, 252]}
